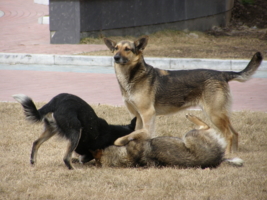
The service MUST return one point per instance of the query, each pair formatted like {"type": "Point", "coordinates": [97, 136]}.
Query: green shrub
{"type": "Point", "coordinates": [250, 2]}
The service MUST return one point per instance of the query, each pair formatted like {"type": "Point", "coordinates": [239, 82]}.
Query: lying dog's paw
{"type": "Point", "coordinates": [201, 125]}
{"type": "Point", "coordinates": [138, 135]}
{"type": "Point", "coordinates": [122, 141]}
{"type": "Point", "coordinates": [189, 116]}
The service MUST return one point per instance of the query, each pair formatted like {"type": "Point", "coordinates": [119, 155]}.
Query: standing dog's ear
{"type": "Point", "coordinates": [110, 44]}
{"type": "Point", "coordinates": [141, 43]}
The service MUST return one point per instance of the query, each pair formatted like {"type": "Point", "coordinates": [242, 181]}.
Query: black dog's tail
{"type": "Point", "coordinates": [246, 74]}
{"type": "Point", "coordinates": [29, 107]}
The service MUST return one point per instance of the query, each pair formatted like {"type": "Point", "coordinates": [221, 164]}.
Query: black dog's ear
{"type": "Point", "coordinates": [110, 44]}
{"type": "Point", "coordinates": [132, 124]}
{"type": "Point", "coordinates": [141, 43]}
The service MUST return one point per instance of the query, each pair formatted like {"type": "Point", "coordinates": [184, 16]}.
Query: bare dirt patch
{"type": "Point", "coordinates": [246, 34]}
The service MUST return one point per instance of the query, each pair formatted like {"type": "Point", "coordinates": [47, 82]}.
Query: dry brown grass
{"type": "Point", "coordinates": [50, 179]}
{"type": "Point", "coordinates": [182, 44]}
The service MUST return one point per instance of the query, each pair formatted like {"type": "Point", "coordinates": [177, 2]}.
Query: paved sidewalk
{"type": "Point", "coordinates": [103, 88]}
{"type": "Point", "coordinates": [20, 33]}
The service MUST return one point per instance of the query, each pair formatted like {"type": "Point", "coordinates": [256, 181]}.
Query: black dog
{"type": "Point", "coordinates": [72, 118]}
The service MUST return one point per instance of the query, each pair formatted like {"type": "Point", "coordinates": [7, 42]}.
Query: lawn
{"type": "Point", "coordinates": [50, 178]}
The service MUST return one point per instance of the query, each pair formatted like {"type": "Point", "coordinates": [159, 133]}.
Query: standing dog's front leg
{"type": "Point", "coordinates": [148, 120]}
{"type": "Point", "coordinates": [139, 123]}
{"type": "Point", "coordinates": [134, 112]}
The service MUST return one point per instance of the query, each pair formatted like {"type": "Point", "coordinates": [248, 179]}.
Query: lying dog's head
{"type": "Point", "coordinates": [127, 52]}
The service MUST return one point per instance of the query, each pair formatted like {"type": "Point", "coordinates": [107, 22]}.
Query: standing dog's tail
{"type": "Point", "coordinates": [245, 74]}
{"type": "Point", "coordinates": [29, 107]}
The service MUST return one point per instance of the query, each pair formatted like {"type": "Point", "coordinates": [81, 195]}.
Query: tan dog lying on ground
{"type": "Point", "coordinates": [148, 91]}
{"type": "Point", "coordinates": [202, 147]}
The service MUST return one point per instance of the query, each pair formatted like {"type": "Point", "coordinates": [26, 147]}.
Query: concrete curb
{"type": "Point", "coordinates": [43, 20]}
{"type": "Point", "coordinates": [163, 63]}
{"type": "Point", "coordinates": [44, 2]}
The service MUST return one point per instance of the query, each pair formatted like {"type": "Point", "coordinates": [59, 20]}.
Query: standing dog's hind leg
{"type": "Point", "coordinates": [235, 139]}
{"type": "Point", "coordinates": [216, 104]}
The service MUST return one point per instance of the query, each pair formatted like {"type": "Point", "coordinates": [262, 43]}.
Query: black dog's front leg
{"type": "Point", "coordinates": [85, 158]}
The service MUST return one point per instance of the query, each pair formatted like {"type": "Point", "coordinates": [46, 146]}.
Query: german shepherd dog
{"type": "Point", "coordinates": [149, 91]}
{"type": "Point", "coordinates": [202, 147]}
{"type": "Point", "coordinates": [72, 118]}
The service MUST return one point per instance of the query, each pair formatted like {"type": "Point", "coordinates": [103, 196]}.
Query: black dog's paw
{"type": "Point", "coordinates": [75, 160]}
